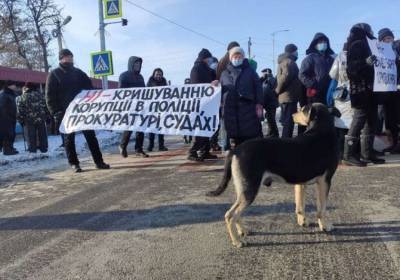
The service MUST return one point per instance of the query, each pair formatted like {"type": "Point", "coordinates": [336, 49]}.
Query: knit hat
{"type": "Point", "coordinates": [291, 48]}
{"type": "Point", "coordinates": [204, 53]}
{"type": "Point", "coordinates": [385, 32]}
{"type": "Point", "coordinates": [232, 45]}
{"type": "Point", "coordinates": [267, 70]}
{"type": "Point", "coordinates": [63, 53]}
{"type": "Point", "coordinates": [235, 50]}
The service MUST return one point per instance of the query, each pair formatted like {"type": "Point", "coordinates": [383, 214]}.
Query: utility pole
{"type": "Point", "coordinates": [273, 46]}
{"type": "Point", "coordinates": [102, 39]}
{"type": "Point", "coordinates": [249, 47]}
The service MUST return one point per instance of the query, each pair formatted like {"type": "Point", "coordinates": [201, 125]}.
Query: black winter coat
{"type": "Point", "coordinates": [130, 78]}
{"type": "Point", "coordinates": [269, 94]}
{"type": "Point", "coordinates": [154, 83]}
{"type": "Point", "coordinates": [201, 73]}
{"type": "Point", "coordinates": [63, 84]}
{"type": "Point", "coordinates": [314, 71]}
{"type": "Point", "coordinates": [241, 88]}
{"type": "Point", "coordinates": [361, 75]}
{"type": "Point", "coordinates": [8, 114]}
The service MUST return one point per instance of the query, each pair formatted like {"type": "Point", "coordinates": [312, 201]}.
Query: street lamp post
{"type": "Point", "coordinates": [57, 33]}
{"type": "Point", "coordinates": [273, 45]}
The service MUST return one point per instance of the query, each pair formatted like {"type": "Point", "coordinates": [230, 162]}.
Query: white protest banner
{"type": "Point", "coordinates": [171, 110]}
{"type": "Point", "coordinates": [385, 66]}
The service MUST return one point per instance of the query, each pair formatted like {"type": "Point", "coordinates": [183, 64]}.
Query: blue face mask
{"type": "Point", "coordinates": [321, 47]}
{"type": "Point", "coordinates": [237, 62]}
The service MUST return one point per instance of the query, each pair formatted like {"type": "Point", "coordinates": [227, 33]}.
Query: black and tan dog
{"type": "Point", "coordinates": [303, 160]}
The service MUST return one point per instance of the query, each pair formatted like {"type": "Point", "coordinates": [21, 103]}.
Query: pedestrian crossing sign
{"type": "Point", "coordinates": [102, 64]}
{"type": "Point", "coordinates": [112, 9]}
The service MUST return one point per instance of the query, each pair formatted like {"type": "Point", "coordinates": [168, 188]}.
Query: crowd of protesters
{"type": "Point", "coordinates": [344, 80]}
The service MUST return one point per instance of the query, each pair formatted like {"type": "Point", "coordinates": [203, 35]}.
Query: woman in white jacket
{"type": "Point", "coordinates": [338, 96]}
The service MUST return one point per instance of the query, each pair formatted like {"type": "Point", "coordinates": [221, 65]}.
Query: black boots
{"type": "Point", "coordinates": [350, 154]}
{"type": "Point", "coordinates": [8, 149]}
{"type": "Point", "coordinates": [123, 151]}
{"type": "Point", "coordinates": [367, 150]}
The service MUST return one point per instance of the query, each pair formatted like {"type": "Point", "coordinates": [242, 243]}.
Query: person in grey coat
{"type": "Point", "coordinates": [242, 99]}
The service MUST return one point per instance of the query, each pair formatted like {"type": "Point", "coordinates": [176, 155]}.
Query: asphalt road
{"type": "Point", "coordinates": [149, 219]}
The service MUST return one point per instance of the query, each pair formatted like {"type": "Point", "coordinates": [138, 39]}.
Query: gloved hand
{"type": "Point", "coordinates": [311, 92]}
{"type": "Point", "coordinates": [58, 117]}
{"type": "Point", "coordinates": [259, 111]}
{"type": "Point", "coordinates": [371, 60]}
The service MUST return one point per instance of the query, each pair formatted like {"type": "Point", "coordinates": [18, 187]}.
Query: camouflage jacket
{"type": "Point", "coordinates": [31, 107]}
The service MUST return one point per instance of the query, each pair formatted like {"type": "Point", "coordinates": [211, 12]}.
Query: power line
{"type": "Point", "coordinates": [175, 23]}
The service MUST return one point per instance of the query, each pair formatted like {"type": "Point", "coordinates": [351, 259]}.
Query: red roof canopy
{"type": "Point", "coordinates": [37, 77]}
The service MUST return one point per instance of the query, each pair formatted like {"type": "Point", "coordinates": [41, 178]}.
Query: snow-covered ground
{"type": "Point", "coordinates": [29, 162]}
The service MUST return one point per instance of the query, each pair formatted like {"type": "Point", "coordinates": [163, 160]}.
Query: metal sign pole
{"type": "Point", "coordinates": [102, 38]}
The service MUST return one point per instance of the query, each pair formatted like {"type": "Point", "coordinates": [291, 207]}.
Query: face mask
{"type": "Point", "coordinates": [295, 54]}
{"type": "Point", "coordinates": [237, 62]}
{"type": "Point", "coordinates": [214, 65]}
{"type": "Point", "coordinates": [67, 65]}
{"type": "Point", "coordinates": [321, 47]}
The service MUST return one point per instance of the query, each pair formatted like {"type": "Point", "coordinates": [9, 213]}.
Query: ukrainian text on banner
{"type": "Point", "coordinates": [171, 110]}
{"type": "Point", "coordinates": [385, 66]}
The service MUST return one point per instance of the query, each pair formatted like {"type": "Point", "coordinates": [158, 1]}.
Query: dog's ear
{"type": "Point", "coordinates": [334, 112]}
{"type": "Point", "coordinates": [313, 115]}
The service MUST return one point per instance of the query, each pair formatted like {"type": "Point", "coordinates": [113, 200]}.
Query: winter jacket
{"type": "Point", "coordinates": [361, 75]}
{"type": "Point", "coordinates": [270, 98]}
{"type": "Point", "coordinates": [63, 84]}
{"type": "Point", "coordinates": [31, 107]}
{"type": "Point", "coordinates": [242, 90]}
{"type": "Point", "coordinates": [201, 73]}
{"type": "Point", "coordinates": [152, 82]}
{"type": "Point", "coordinates": [340, 84]}
{"type": "Point", "coordinates": [8, 114]}
{"type": "Point", "coordinates": [314, 71]}
{"type": "Point", "coordinates": [288, 86]}
{"type": "Point", "coordinates": [130, 78]}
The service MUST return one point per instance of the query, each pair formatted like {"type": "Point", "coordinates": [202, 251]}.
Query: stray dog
{"type": "Point", "coordinates": [303, 160]}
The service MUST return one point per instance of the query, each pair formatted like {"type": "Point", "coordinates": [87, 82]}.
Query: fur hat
{"type": "Point", "coordinates": [235, 50]}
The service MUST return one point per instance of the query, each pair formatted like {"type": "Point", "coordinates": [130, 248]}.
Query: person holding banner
{"type": "Point", "coordinates": [243, 99]}
{"type": "Point", "coordinates": [157, 80]}
{"type": "Point", "coordinates": [360, 70]}
{"type": "Point", "coordinates": [201, 73]}
{"type": "Point", "coordinates": [391, 102]}
{"type": "Point", "coordinates": [131, 79]}
{"type": "Point", "coordinates": [63, 84]}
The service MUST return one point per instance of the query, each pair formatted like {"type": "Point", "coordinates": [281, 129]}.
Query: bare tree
{"type": "Point", "coordinates": [43, 14]}
{"type": "Point", "coordinates": [14, 35]}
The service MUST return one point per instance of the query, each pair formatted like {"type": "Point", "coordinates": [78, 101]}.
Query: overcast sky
{"type": "Point", "coordinates": [162, 44]}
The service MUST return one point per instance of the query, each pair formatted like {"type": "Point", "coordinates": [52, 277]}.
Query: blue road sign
{"type": "Point", "coordinates": [102, 64]}
{"type": "Point", "coordinates": [112, 9]}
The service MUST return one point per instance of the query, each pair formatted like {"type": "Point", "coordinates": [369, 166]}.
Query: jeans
{"type": "Point", "coordinates": [36, 137]}
{"type": "Point", "coordinates": [270, 115]}
{"type": "Point", "coordinates": [287, 111]}
{"type": "Point", "coordinates": [364, 121]}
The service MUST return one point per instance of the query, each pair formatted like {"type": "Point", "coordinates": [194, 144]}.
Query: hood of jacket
{"type": "Point", "coordinates": [317, 37]}
{"type": "Point", "coordinates": [359, 31]}
{"type": "Point", "coordinates": [132, 61]}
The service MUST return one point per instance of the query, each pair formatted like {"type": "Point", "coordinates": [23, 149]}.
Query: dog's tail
{"type": "Point", "coordinates": [227, 176]}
